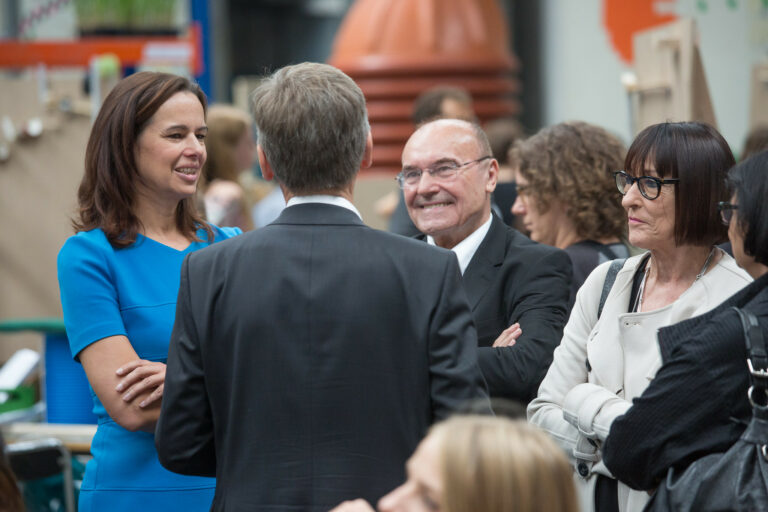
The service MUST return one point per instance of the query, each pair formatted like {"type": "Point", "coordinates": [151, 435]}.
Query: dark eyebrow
{"type": "Point", "coordinates": [185, 127]}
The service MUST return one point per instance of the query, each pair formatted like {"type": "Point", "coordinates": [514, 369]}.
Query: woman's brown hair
{"type": "Point", "coordinates": [107, 192]}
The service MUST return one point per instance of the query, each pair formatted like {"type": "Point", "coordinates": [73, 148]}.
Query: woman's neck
{"type": "Point", "coordinates": [682, 264]}
{"type": "Point", "coordinates": [158, 222]}
{"type": "Point", "coordinates": [756, 270]}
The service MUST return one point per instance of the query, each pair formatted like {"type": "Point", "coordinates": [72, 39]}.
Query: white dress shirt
{"type": "Point", "coordinates": [325, 199]}
{"type": "Point", "coordinates": [468, 247]}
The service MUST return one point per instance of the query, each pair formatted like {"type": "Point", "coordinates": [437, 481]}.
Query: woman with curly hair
{"type": "Point", "coordinates": [566, 193]}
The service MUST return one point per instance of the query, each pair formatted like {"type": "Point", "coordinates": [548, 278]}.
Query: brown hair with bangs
{"type": "Point", "coordinates": [697, 155]}
{"type": "Point", "coordinates": [107, 193]}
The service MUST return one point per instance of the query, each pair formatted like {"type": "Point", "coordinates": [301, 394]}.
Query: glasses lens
{"type": "Point", "coordinates": [621, 182]}
{"type": "Point", "coordinates": [444, 171]}
{"type": "Point", "coordinates": [649, 187]}
{"type": "Point", "coordinates": [410, 177]}
{"type": "Point", "coordinates": [726, 213]}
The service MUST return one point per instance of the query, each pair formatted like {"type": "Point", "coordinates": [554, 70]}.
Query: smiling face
{"type": "Point", "coordinates": [423, 490]}
{"type": "Point", "coordinates": [170, 151]}
{"type": "Point", "coordinates": [651, 223]}
{"type": "Point", "coordinates": [448, 209]}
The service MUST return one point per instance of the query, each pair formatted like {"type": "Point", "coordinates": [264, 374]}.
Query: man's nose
{"type": "Point", "coordinates": [427, 184]}
{"type": "Point", "coordinates": [631, 195]}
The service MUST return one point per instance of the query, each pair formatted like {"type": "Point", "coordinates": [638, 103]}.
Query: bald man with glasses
{"type": "Point", "coordinates": [518, 289]}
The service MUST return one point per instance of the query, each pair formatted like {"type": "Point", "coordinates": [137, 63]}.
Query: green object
{"type": "Point", "coordinates": [47, 495]}
{"type": "Point", "coordinates": [22, 397]}
{"type": "Point", "coordinates": [44, 325]}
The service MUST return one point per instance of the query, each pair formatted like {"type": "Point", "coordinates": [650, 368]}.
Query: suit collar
{"type": "Point", "coordinates": [318, 213]}
{"type": "Point", "coordinates": [486, 261]}
{"type": "Point", "coordinates": [324, 199]}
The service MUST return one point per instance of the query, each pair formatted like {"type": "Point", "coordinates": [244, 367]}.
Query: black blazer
{"type": "Point", "coordinates": [697, 403]}
{"type": "Point", "coordinates": [513, 279]}
{"type": "Point", "coordinates": [308, 359]}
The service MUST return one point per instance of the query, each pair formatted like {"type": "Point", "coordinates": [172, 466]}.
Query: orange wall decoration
{"type": "Point", "coordinates": [623, 18]}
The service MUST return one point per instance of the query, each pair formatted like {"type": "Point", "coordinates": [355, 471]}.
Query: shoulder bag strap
{"type": "Point", "coordinates": [757, 357]}
{"type": "Point", "coordinates": [610, 278]}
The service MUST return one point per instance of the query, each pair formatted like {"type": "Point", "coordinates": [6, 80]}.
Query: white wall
{"type": "Point", "coordinates": [581, 70]}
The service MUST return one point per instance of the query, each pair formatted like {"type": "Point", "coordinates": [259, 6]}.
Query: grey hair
{"type": "Point", "coordinates": [312, 126]}
{"type": "Point", "coordinates": [483, 144]}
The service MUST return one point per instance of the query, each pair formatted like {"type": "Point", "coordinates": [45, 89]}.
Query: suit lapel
{"type": "Point", "coordinates": [485, 263]}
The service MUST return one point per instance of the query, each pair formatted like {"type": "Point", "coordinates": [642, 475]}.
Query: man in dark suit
{"type": "Point", "coordinates": [518, 289]}
{"type": "Point", "coordinates": [310, 356]}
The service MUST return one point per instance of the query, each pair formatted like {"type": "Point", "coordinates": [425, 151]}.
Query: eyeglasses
{"type": "Point", "coordinates": [443, 171]}
{"type": "Point", "coordinates": [726, 211]}
{"type": "Point", "coordinates": [650, 186]}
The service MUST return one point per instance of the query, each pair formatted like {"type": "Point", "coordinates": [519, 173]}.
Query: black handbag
{"type": "Point", "coordinates": [738, 478]}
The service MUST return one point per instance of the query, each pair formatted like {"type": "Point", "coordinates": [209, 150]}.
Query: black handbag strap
{"type": "Point", "coordinates": [757, 359]}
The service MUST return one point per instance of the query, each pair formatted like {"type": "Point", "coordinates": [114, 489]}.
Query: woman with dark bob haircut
{"type": "Point", "coordinates": [697, 404]}
{"type": "Point", "coordinates": [566, 196]}
{"type": "Point", "coordinates": [119, 277]}
{"type": "Point", "coordinates": [672, 181]}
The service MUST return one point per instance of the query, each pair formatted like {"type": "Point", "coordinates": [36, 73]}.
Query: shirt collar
{"type": "Point", "coordinates": [324, 199]}
{"type": "Point", "coordinates": [467, 248]}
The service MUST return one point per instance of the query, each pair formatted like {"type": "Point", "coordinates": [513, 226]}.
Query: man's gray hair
{"type": "Point", "coordinates": [312, 126]}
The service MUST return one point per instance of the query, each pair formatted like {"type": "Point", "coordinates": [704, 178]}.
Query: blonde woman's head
{"type": "Point", "coordinates": [485, 464]}
{"type": "Point", "coordinates": [230, 144]}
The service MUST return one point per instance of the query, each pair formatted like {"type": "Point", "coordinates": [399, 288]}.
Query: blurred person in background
{"type": "Point", "coordinates": [119, 279]}
{"type": "Point", "coordinates": [231, 153]}
{"type": "Point", "coordinates": [757, 141]}
{"type": "Point", "coordinates": [481, 464]}
{"type": "Point", "coordinates": [566, 193]}
{"type": "Point", "coordinates": [672, 181]}
{"type": "Point", "coordinates": [502, 134]}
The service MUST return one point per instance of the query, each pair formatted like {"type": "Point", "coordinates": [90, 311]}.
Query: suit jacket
{"type": "Point", "coordinates": [308, 359]}
{"type": "Point", "coordinates": [697, 404]}
{"type": "Point", "coordinates": [513, 279]}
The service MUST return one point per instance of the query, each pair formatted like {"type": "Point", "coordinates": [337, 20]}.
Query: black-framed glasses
{"type": "Point", "coordinates": [650, 186]}
{"type": "Point", "coordinates": [442, 171]}
{"type": "Point", "coordinates": [726, 211]}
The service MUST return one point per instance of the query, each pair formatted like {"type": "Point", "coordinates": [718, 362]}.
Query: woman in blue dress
{"type": "Point", "coordinates": [119, 277]}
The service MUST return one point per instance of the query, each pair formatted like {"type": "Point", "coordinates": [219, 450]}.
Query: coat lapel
{"type": "Point", "coordinates": [485, 263]}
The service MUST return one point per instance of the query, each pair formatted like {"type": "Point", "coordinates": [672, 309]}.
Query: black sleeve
{"type": "Point", "coordinates": [540, 305]}
{"type": "Point", "coordinates": [696, 405]}
{"type": "Point", "coordinates": [455, 377]}
{"type": "Point", "coordinates": [184, 434]}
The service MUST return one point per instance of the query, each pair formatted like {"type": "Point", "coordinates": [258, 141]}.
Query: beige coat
{"type": "Point", "coordinates": [577, 405]}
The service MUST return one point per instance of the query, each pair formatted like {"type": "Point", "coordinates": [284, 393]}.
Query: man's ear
{"type": "Point", "coordinates": [493, 176]}
{"type": "Point", "coordinates": [266, 169]}
{"type": "Point", "coordinates": [368, 155]}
